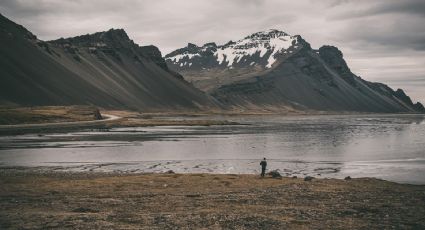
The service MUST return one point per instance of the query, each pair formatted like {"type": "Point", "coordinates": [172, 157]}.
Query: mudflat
{"type": "Point", "coordinates": [39, 200]}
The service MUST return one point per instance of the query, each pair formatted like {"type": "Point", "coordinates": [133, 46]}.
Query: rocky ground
{"type": "Point", "coordinates": [32, 200]}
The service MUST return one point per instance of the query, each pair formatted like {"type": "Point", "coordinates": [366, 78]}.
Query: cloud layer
{"type": "Point", "coordinates": [382, 40]}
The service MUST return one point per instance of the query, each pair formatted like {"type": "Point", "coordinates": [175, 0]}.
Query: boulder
{"type": "Point", "coordinates": [308, 178]}
{"type": "Point", "coordinates": [97, 115]}
{"type": "Point", "coordinates": [274, 174]}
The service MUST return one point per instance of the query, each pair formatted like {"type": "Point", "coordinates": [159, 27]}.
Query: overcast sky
{"type": "Point", "coordinates": [382, 40]}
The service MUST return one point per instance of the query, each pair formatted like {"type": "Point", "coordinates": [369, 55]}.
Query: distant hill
{"type": "Point", "coordinates": [105, 69]}
{"type": "Point", "coordinates": [276, 71]}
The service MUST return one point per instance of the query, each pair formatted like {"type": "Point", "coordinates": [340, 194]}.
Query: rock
{"type": "Point", "coordinates": [274, 174]}
{"type": "Point", "coordinates": [308, 178]}
{"type": "Point", "coordinates": [97, 115]}
{"type": "Point", "coordinates": [419, 107]}
{"type": "Point", "coordinates": [193, 195]}
{"type": "Point", "coordinates": [85, 210]}
{"type": "Point", "coordinates": [347, 178]}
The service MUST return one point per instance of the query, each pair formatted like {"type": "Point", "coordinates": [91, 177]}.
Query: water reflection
{"type": "Point", "coordinates": [386, 146]}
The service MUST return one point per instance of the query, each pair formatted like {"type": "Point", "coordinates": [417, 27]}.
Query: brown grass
{"type": "Point", "coordinates": [204, 201]}
{"type": "Point", "coordinates": [45, 114]}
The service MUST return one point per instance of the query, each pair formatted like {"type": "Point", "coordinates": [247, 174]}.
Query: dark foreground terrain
{"type": "Point", "coordinates": [35, 200]}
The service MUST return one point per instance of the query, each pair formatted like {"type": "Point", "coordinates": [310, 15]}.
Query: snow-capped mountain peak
{"type": "Point", "coordinates": [257, 49]}
{"type": "Point", "coordinates": [272, 40]}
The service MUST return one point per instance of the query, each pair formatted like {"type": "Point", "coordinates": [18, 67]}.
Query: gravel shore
{"type": "Point", "coordinates": [32, 200]}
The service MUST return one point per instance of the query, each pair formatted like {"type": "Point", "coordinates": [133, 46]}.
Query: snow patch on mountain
{"type": "Point", "coordinates": [266, 44]}
{"type": "Point", "coordinates": [262, 42]}
{"type": "Point", "coordinates": [179, 57]}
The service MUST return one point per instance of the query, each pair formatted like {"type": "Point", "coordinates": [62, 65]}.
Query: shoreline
{"type": "Point", "coordinates": [168, 200]}
{"type": "Point", "coordinates": [58, 171]}
{"type": "Point", "coordinates": [124, 118]}
{"type": "Point", "coordinates": [48, 125]}
{"type": "Point", "coordinates": [91, 168]}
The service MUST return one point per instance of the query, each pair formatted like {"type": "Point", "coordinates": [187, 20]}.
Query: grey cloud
{"type": "Point", "coordinates": [393, 33]}
{"type": "Point", "coordinates": [365, 8]}
{"type": "Point", "coordinates": [406, 6]}
{"type": "Point", "coordinates": [412, 82]}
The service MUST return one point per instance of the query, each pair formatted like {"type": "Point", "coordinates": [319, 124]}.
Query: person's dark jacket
{"type": "Point", "coordinates": [263, 164]}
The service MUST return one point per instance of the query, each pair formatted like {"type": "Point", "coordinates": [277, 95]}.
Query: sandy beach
{"type": "Point", "coordinates": [63, 200]}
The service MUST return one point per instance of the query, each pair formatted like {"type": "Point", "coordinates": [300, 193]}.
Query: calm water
{"type": "Point", "coordinates": [390, 147]}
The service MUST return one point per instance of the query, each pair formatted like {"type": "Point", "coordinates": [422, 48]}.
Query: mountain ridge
{"type": "Point", "coordinates": [106, 69]}
{"type": "Point", "coordinates": [321, 77]}
{"type": "Point", "coordinates": [263, 44]}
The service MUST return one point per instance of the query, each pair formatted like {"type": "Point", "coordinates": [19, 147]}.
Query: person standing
{"type": "Point", "coordinates": [263, 164]}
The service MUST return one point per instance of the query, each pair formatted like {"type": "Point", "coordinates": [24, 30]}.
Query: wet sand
{"type": "Point", "coordinates": [64, 200]}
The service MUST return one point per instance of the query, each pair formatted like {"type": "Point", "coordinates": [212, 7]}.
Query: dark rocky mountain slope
{"type": "Point", "coordinates": [105, 69]}
{"type": "Point", "coordinates": [275, 71]}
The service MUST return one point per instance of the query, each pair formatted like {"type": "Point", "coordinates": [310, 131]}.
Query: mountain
{"type": "Point", "coordinates": [273, 70]}
{"type": "Point", "coordinates": [105, 69]}
{"type": "Point", "coordinates": [211, 65]}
